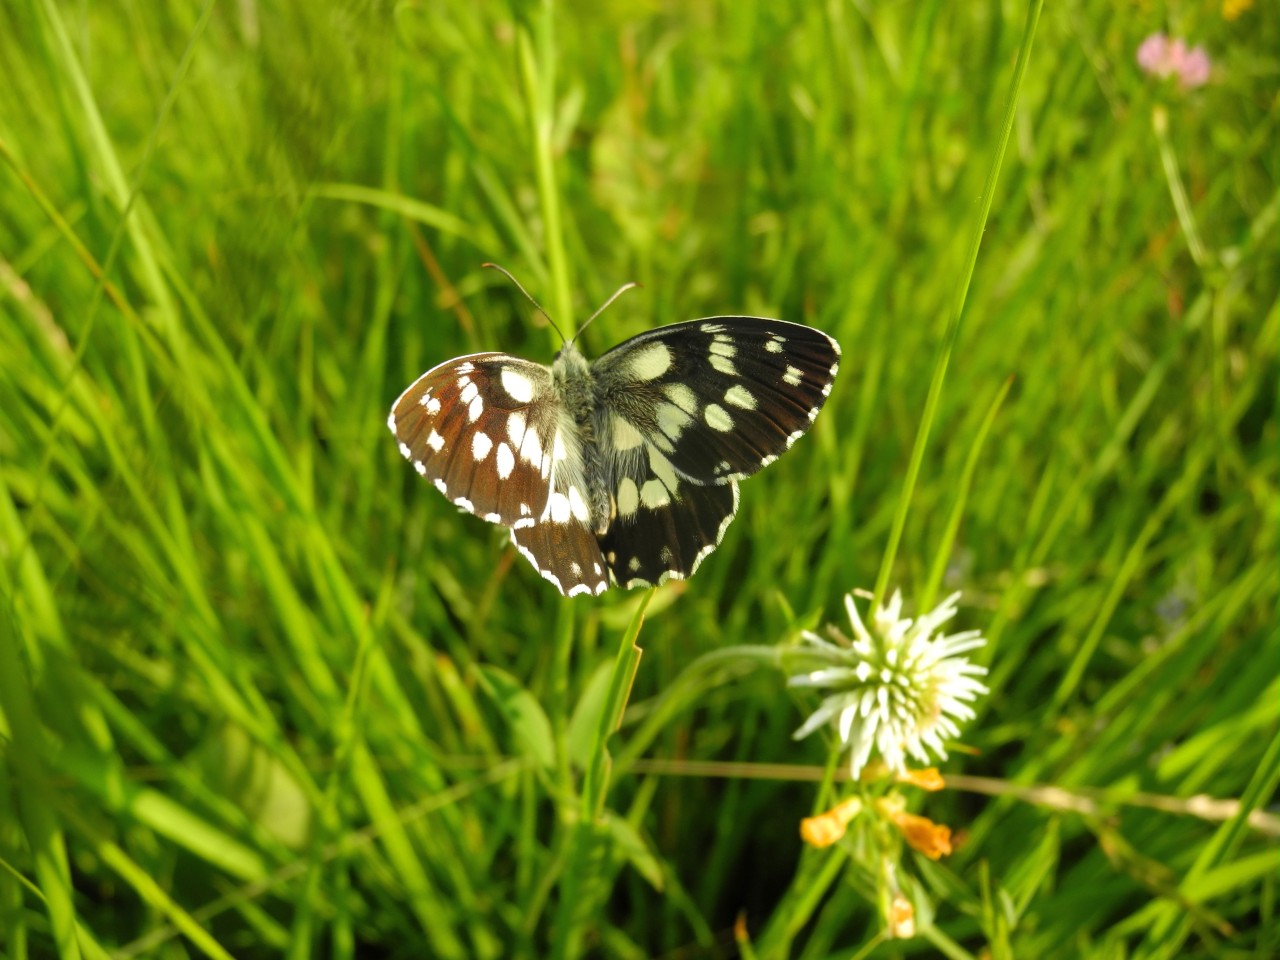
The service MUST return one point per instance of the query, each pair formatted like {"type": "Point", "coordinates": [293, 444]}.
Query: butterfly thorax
{"type": "Point", "coordinates": [574, 386]}
{"type": "Point", "coordinates": [575, 389]}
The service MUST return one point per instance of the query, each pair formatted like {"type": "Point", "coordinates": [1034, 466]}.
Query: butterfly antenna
{"type": "Point", "coordinates": [537, 306]}
{"type": "Point", "coordinates": [604, 306]}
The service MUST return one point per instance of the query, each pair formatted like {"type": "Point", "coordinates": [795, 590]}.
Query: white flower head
{"type": "Point", "coordinates": [896, 688]}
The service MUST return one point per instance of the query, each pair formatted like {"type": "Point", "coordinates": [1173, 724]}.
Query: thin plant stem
{"type": "Point", "coordinates": [584, 872]}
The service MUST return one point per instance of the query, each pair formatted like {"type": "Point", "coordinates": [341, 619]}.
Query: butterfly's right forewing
{"type": "Point", "coordinates": [480, 429]}
{"type": "Point", "coordinates": [719, 398]}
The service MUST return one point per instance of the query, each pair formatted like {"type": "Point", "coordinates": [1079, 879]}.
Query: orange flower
{"type": "Point", "coordinates": [927, 779]}
{"type": "Point", "coordinates": [826, 828]}
{"type": "Point", "coordinates": [931, 839]}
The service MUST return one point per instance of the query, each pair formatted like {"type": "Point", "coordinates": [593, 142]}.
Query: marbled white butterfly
{"type": "Point", "coordinates": [625, 469]}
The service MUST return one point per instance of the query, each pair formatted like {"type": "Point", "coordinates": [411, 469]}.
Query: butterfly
{"type": "Point", "coordinates": [623, 470]}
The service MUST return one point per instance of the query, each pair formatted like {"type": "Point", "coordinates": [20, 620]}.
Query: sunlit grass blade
{"type": "Point", "coordinates": [957, 308]}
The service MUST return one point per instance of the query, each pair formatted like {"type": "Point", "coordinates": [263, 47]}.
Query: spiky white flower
{"type": "Point", "coordinates": [896, 688]}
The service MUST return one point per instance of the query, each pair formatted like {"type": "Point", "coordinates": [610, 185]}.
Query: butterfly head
{"type": "Point", "coordinates": [571, 374]}
{"type": "Point", "coordinates": [569, 357]}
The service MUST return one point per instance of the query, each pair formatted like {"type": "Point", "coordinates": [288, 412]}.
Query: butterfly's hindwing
{"type": "Point", "coordinates": [721, 397]}
{"type": "Point", "coordinates": [480, 430]}
{"type": "Point", "coordinates": [667, 538]}
{"type": "Point", "coordinates": [566, 554]}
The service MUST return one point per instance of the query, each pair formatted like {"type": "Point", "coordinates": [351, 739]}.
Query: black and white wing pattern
{"type": "Point", "coordinates": [625, 470]}
{"type": "Point", "coordinates": [686, 411]}
{"type": "Point", "coordinates": [721, 397]}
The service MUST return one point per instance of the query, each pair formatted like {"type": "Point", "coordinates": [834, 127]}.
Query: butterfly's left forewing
{"type": "Point", "coordinates": [481, 430]}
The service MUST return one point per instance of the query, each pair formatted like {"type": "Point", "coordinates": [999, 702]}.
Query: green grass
{"type": "Point", "coordinates": [263, 692]}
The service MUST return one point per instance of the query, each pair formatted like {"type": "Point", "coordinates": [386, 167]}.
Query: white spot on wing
{"type": "Point", "coordinates": [712, 328]}
{"type": "Point", "coordinates": [391, 421]}
{"type": "Point", "coordinates": [435, 441]}
{"type": "Point", "coordinates": [557, 508]}
{"type": "Point", "coordinates": [740, 396]}
{"type": "Point", "coordinates": [480, 445]}
{"type": "Point", "coordinates": [531, 448]}
{"type": "Point", "coordinates": [405, 451]}
{"type": "Point", "coordinates": [625, 436]}
{"type": "Point", "coordinates": [628, 497]}
{"type": "Point", "coordinates": [517, 385]}
{"type": "Point", "coordinates": [663, 470]}
{"type": "Point", "coordinates": [724, 365]}
{"type": "Point", "coordinates": [653, 494]}
{"type": "Point", "coordinates": [649, 362]}
{"type": "Point", "coordinates": [465, 504]}
{"type": "Point", "coordinates": [723, 347]}
{"type": "Point", "coordinates": [717, 418]}
{"type": "Point", "coordinates": [672, 420]}
{"type": "Point", "coordinates": [475, 409]}
{"type": "Point", "coordinates": [578, 506]}
{"type": "Point", "coordinates": [515, 429]}
{"type": "Point", "coordinates": [682, 396]}
{"type": "Point", "coordinates": [774, 344]}
{"type": "Point", "coordinates": [506, 461]}
{"type": "Point", "coordinates": [420, 467]}
{"type": "Point", "coordinates": [793, 376]}
{"type": "Point", "coordinates": [663, 443]}
{"type": "Point", "coordinates": [441, 487]}
{"type": "Point", "coordinates": [469, 392]}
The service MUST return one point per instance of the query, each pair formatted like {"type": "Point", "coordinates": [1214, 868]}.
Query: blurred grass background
{"type": "Point", "coordinates": [263, 692]}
